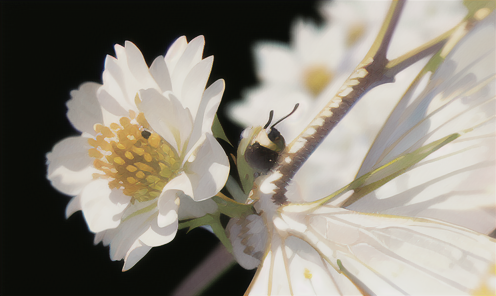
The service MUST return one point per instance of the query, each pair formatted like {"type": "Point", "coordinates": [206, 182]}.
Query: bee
{"type": "Point", "coordinates": [265, 145]}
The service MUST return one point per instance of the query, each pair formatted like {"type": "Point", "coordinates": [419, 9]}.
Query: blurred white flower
{"type": "Point", "coordinates": [298, 73]}
{"type": "Point", "coordinates": [146, 156]}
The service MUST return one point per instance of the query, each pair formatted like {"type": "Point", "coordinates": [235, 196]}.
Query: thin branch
{"type": "Point", "coordinates": [368, 74]}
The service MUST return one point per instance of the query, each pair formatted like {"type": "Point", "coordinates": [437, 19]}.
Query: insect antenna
{"type": "Point", "coordinates": [271, 114]}
{"type": "Point", "coordinates": [290, 113]}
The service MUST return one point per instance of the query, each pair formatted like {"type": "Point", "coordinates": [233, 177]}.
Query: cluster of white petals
{"type": "Point", "coordinates": [146, 156]}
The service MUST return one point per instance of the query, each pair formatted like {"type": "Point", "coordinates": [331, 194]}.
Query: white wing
{"type": "Point", "coordinates": [292, 267]}
{"type": "Point", "coordinates": [456, 183]}
{"type": "Point", "coordinates": [334, 251]}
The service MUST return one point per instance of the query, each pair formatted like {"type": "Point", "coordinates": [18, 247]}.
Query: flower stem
{"type": "Point", "coordinates": [206, 273]}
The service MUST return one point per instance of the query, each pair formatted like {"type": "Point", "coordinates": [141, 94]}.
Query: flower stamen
{"type": "Point", "coordinates": [135, 160]}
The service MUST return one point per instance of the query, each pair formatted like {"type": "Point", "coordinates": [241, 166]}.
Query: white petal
{"type": "Point", "coordinates": [118, 84]}
{"type": "Point", "coordinates": [84, 111]}
{"type": "Point", "coordinates": [115, 107]}
{"type": "Point", "coordinates": [190, 209]}
{"type": "Point", "coordinates": [175, 52]}
{"type": "Point", "coordinates": [194, 85]}
{"type": "Point", "coordinates": [99, 236]}
{"type": "Point", "coordinates": [276, 63]}
{"type": "Point", "coordinates": [157, 236]}
{"type": "Point", "coordinates": [138, 66]}
{"type": "Point", "coordinates": [136, 220]}
{"type": "Point", "coordinates": [161, 74]}
{"type": "Point", "coordinates": [73, 206]}
{"type": "Point", "coordinates": [102, 207]}
{"type": "Point", "coordinates": [166, 116]}
{"type": "Point", "coordinates": [206, 111]}
{"type": "Point", "coordinates": [70, 168]}
{"type": "Point", "coordinates": [191, 56]}
{"type": "Point", "coordinates": [207, 169]}
{"type": "Point", "coordinates": [137, 251]}
{"type": "Point", "coordinates": [168, 201]}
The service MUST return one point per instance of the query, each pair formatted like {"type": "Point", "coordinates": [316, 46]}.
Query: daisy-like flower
{"type": "Point", "coordinates": [146, 156]}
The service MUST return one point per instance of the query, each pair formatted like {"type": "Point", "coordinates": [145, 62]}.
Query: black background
{"type": "Point", "coordinates": [49, 49]}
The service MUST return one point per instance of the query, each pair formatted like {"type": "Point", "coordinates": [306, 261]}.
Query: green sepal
{"type": "Point", "coordinates": [227, 207]}
{"type": "Point", "coordinates": [218, 131]}
{"type": "Point", "coordinates": [233, 209]}
{"type": "Point", "coordinates": [214, 221]}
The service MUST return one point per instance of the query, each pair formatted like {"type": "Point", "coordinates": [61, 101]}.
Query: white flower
{"type": "Point", "coordinates": [298, 73]}
{"type": "Point", "coordinates": [424, 232]}
{"type": "Point", "coordinates": [146, 156]}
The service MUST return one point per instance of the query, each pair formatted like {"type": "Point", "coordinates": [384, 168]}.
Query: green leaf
{"type": "Point", "coordinates": [218, 131]}
{"type": "Point", "coordinates": [214, 221]}
{"type": "Point", "coordinates": [232, 208]}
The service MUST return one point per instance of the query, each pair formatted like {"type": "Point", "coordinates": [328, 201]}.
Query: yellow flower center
{"type": "Point", "coordinates": [355, 32]}
{"type": "Point", "coordinates": [132, 158]}
{"type": "Point", "coordinates": [317, 78]}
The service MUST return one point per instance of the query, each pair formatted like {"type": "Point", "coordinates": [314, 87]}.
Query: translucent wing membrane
{"type": "Point", "coordinates": [456, 183]}
{"type": "Point", "coordinates": [421, 233]}
{"type": "Point", "coordinates": [335, 251]}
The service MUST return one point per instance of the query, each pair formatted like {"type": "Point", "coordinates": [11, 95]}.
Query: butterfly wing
{"type": "Point", "coordinates": [334, 251]}
{"type": "Point", "coordinates": [393, 255]}
{"type": "Point", "coordinates": [456, 183]}
{"type": "Point", "coordinates": [292, 267]}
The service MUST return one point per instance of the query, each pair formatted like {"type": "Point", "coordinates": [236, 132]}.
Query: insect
{"type": "Point", "coordinates": [146, 134]}
{"type": "Point", "coordinates": [266, 144]}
